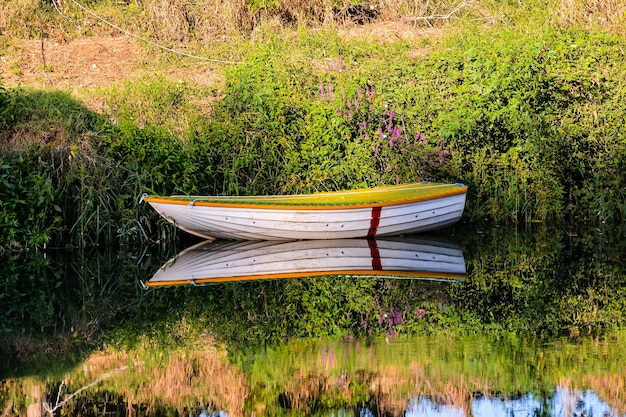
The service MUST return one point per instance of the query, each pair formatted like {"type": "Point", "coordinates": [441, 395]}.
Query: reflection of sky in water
{"type": "Point", "coordinates": [213, 414]}
{"type": "Point", "coordinates": [564, 403]}
{"type": "Point", "coordinates": [426, 407]}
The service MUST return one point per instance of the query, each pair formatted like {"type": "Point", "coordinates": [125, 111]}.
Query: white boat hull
{"type": "Point", "coordinates": [259, 223]}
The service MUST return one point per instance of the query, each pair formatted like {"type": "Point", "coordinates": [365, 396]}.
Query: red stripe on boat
{"type": "Point", "coordinates": [375, 254]}
{"type": "Point", "coordinates": [374, 221]}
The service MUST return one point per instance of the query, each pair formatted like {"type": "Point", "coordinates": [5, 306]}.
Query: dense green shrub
{"type": "Point", "coordinates": [29, 214]}
{"type": "Point", "coordinates": [56, 188]}
{"type": "Point", "coordinates": [59, 197]}
{"type": "Point", "coordinates": [515, 117]}
{"type": "Point", "coordinates": [277, 131]}
{"type": "Point", "coordinates": [9, 107]}
{"type": "Point", "coordinates": [526, 121]}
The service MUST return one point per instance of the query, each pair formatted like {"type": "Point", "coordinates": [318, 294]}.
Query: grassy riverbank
{"type": "Point", "coordinates": [525, 104]}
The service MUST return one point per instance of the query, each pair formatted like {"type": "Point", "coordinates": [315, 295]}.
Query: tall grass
{"type": "Point", "coordinates": [608, 14]}
{"type": "Point", "coordinates": [175, 22]}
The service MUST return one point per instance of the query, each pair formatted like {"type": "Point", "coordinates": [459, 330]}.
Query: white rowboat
{"type": "Point", "coordinates": [396, 257]}
{"type": "Point", "coordinates": [382, 211]}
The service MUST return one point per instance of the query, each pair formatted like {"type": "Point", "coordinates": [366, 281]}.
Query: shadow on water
{"type": "Point", "coordinates": [364, 345]}
{"type": "Point", "coordinates": [58, 305]}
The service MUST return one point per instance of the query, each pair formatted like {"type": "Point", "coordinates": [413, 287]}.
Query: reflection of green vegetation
{"type": "Point", "coordinates": [350, 372]}
{"type": "Point", "coordinates": [319, 376]}
{"type": "Point", "coordinates": [56, 306]}
{"type": "Point", "coordinates": [543, 282]}
{"type": "Point", "coordinates": [546, 281]}
{"type": "Point", "coordinates": [274, 311]}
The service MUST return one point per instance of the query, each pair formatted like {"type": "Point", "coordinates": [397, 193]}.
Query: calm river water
{"type": "Point", "coordinates": [468, 322]}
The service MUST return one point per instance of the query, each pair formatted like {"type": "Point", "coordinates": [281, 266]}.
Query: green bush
{"type": "Point", "coordinates": [29, 213]}
{"type": "Point", "coordinates": [522, 116]}
{"type": "Point", "coordinates": [9, 108]}
{"type": "Point", "coordinates": [56, 188]}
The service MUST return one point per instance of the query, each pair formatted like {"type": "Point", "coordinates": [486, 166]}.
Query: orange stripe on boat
{"type": "Point", "coordinates": [364, 273]}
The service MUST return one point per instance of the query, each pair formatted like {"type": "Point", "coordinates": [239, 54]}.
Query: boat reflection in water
{"type": "Point", "coordinates": [401, 257]}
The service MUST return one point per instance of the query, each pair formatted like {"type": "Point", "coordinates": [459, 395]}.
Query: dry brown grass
{"type": "Point", "coordinates": [206, 19]}
{"type": "Point", "coordinates": [80, 52]}
{"type": "Point", "coordinates": [84, 65]}
{"type": "Point", "coordinates": [5, 13]}
{"type": "Point", "coordinates": [18, 18]}
{"type": "Point", "coordinates": [178, 21]}
{"type": "Point", "coordinates": [610, 14]}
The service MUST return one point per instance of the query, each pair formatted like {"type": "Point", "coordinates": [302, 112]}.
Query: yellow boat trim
{"type": "Point", "coordinates": [367, 272]}
{"type": "Point", "coordinates": [365, 198]}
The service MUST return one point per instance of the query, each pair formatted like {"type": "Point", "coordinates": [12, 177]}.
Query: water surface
{"type": "Point", "coordinates": [534, 328]}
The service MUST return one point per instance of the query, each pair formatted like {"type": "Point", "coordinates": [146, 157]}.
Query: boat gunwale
{"type": "Point", "coordinates": [268, 204]}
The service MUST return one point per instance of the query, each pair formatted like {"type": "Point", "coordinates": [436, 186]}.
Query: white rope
{"type": "Point", "coordinates": [149, 41]}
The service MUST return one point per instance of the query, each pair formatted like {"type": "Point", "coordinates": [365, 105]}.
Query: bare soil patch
{"type": "Point", "coordinates": [79, 63]}
{"type": "Point", "coordinates": [84, 64]}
